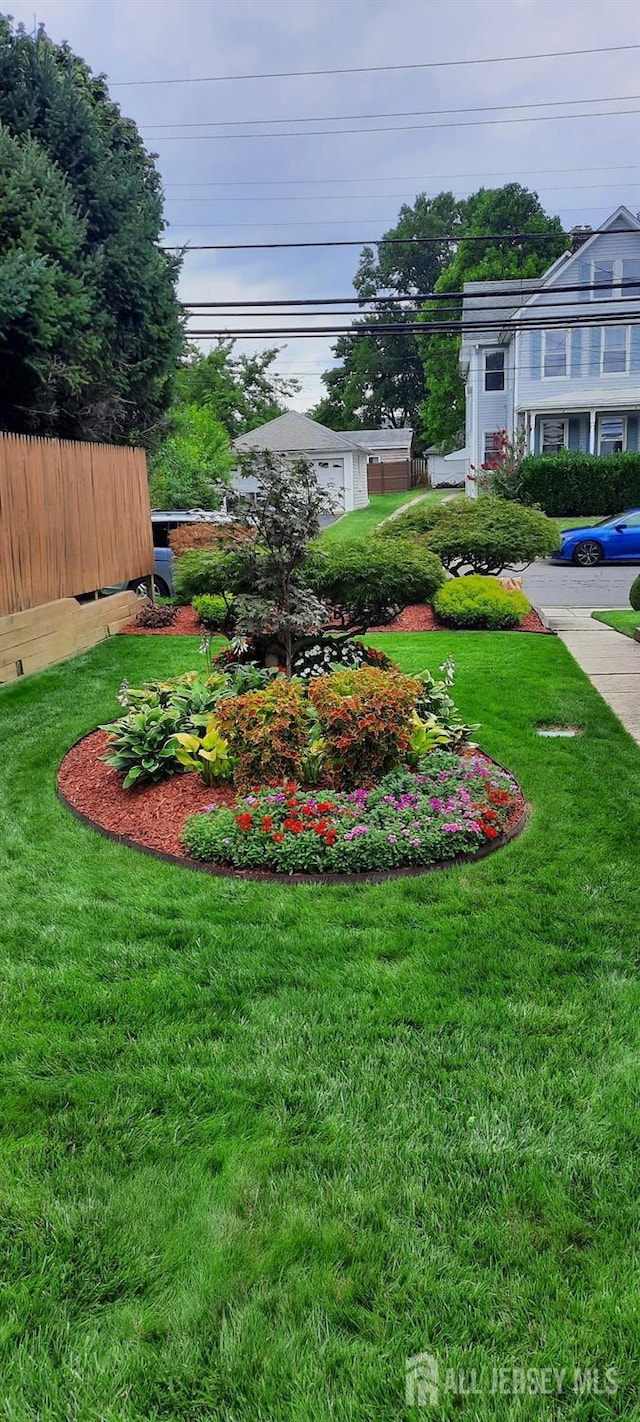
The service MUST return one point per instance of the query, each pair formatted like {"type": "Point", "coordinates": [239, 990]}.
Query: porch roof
{"type": "Point", "coordinates": [576, 402]}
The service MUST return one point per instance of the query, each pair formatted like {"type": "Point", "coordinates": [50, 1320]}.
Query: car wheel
{"type": "Point", "coordinates": [587, 554]}
{"type": "Point", "coordinates": [160, 588]}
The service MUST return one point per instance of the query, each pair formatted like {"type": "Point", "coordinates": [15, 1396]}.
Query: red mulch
{"type": "Point", "coordinates": [186, 624]}
{"type": "Point", "coordinates": [419, 618]}
{"type": "Point", "coordinates": [153, 815]}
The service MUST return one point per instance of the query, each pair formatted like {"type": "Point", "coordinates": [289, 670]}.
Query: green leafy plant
{"type": "Point", "coordinates": [142, 745]}
{"type": "Point", "coordinates": [367, 582]}
{"type": "Point", "coordinates": [365, 718]}
{"type": "Point", "coordinates": [208, 754]}
{"type": "Point", "coordinates": [634, 594]}
{"type": "Point", "coordinates": [485, 534]}
{"type": "Point", "coordinates": [425, 737]}
{"type": "Point", "coordinates": [214, 611]}
{"type": "Point", "coordinates": [477, 601]}
{"type": "Point", "coordinates": [575, 485]}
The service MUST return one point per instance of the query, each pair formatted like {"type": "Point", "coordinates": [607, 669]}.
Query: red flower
{"type": "Point", "coordinates": [307, 810]}
{"type": "Point", "coordinates": [244, 821]}
{"type": "Point", "coordinates": [277, 838]}
{"type": "Point", "coordinates": [267, 822]}
{"type": "Point", "coordinates": [324, 806]}
{"type": "Point", "coordinates": [293, 825]}
{"type": "Point", "coordinates": [331, 837]}
{"type": "Point", "coordinates": [490, 831]}
{"type": "Point", "coordinates": [321, 827]}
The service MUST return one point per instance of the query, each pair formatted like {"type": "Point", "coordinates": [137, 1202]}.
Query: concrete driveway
{"type": "Point", "coordinates": [558, 585]}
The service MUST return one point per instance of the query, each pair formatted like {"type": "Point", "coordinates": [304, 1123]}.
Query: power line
{"type": "Point", "coordinates": [387, 128]}
{"type": "Point", "coordinates": [454, 237]}
{"type": "Point", "coordinates": [404, 178]}
{"type": "Point", "coordinates": [401, 113]}
{"type": "Point", "coordinates": [366, 197]}
{"type": "Point", "coordinates": [374, 68]}
{"type": "Point", "coordinates": [424, 328]}
{"type": "Point", "coordinates": [632, 286]}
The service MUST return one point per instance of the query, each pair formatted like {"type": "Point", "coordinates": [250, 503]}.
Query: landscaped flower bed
{"type": "Point", "coordinates": [451, 807]}
{"type": "Point", "coordinates": [359, 770]}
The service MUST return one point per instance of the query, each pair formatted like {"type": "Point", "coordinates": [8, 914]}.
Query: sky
{"type": "Point", "coordinates": [222, 188]}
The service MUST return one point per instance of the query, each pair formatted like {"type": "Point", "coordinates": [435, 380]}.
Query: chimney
{"type": "Point", "coordinates": [578, 235]}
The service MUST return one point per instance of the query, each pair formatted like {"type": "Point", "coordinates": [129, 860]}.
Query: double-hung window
{"type": "Point", "coordinates": [555, 353]}
{"type": "Point", "coordinates": [614, 350]}
{"type": "Point", "coordinates": [611, 434]}
{"type": "Point", "coordinates": [494, 370]}
{"type": "Point", "coordinates": [492, 446]}
{"type": "Point", "coordinates": [553, 436]}
{"type": "Point", "coordinates": [603, 279]}
{"type": "Point", "coordinates": [631, 274]}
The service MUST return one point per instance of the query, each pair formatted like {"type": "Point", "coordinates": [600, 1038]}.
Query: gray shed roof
{"type": "Point", "coordinates": [293, 433]}
{"type": "Point", "coordinates": [387, 438]}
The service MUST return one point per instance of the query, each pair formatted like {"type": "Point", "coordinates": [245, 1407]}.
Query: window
{"type": "Point", "coordinates": [494, 370]}
{"type": "Point", "coordinates": [553, 436]}
{"type": "Point", "coordinates": [492, 445]}
{"type": "Point", "coordinates": [323, 464]}
{"type": "Point", "coordinates": [603, 280]}
{"type": "Point", "coordinates": [631, 272]}
{"type": "Point", "coordinates": [611, 435]}
{"type": "Point", "coordinates": [555, 353]}
{"type": "Point", "coordinates": [614, 350]}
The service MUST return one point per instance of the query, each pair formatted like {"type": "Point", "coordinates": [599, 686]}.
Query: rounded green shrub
{"type": "Point", "coordinates": [207, 572]}
{"type": "Point", "coordinates": [212, 610]}
{"type": "Point", "coordinates": [634, 594]}
{"type": "Point", "coordinates": [369, 580]}
{"type": "Point", "coordinates": [484, 535]}
{"type": "Point", "coordinates": [477, 601]}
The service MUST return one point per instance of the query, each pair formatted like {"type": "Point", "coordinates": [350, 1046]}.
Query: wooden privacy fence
{"type": "Point", "coordinates": [392, 476]}
{"type": "Point", "coordinates": [73, 518]}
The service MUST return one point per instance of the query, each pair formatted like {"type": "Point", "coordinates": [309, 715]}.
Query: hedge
{"type": "Point", "coordinates": [477, 601]}
{"type": "Point", "coordinates": [570, 483]}
{"type": "Point", "coordinates": [485, 534]}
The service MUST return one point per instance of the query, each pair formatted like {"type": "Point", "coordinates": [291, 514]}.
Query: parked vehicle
{"type": "Point", "coordinates": [163, 522]}
{"type": "Point", "coordinates": [612, 540]}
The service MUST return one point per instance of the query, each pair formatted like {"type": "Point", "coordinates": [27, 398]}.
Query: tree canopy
{"type": "Point", "coordinates": [404, 379]}
{"type": "Point", "coordinates": [241, 391]}
{"type": "Point", "coordinates": [192, 465]}
{"type": "Point", "coordinates": [90, 324]}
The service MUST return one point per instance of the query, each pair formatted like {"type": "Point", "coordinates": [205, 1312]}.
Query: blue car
{"type": "Point", "coordinates": [613, 540]}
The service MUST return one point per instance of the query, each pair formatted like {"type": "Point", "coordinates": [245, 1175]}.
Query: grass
{"type": "Point", "coordinates": [626, 622]}
{"type": "Point", "coordinates": [579, 522]}
{"type": "Point", "coordinates": [258, 1145]}
{"type": "Point", "coordinates": [362, 521]}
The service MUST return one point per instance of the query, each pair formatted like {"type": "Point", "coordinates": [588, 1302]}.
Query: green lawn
{"type": "Point", "coordinates": [260, 1144]}
{"type": "Point", "coordinates": [626, 621]}
{"type": "Point", "coordinates": [363, 521]}
{"type": "Point", "coordinates": [579, 522]}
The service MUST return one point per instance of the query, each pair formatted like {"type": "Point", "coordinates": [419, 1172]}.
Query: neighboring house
{"type": "Point", "coordinates": [340, 459]}
{"type": "Point", "coordinates": [575, 386]}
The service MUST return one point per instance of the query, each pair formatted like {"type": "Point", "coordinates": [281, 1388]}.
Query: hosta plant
{"type": "Point", "coordinates": [141, 745]}
{"type": "Point", "coordinates": [207, 754]}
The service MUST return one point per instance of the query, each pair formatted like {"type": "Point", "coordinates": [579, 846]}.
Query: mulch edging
{"type": "Point", "coordinates": [418, 618]}
{"type": "Point", "coordinates": [150, 818]}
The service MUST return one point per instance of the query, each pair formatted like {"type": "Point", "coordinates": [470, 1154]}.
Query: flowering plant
{"type": "Point", "coordinates": [411, 818]}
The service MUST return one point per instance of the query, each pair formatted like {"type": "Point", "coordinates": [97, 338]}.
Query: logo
{"type": "Point", "coordinates": [422, 1380]}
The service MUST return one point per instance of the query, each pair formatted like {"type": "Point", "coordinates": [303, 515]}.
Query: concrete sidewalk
{"type": "Point", "coordinates": [610, 660]}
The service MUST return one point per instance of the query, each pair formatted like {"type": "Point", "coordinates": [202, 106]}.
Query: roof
{"type": "Point", "coordinates": [293, 433]}
{"type": "Point", "coordinates": [573, 401]}
{"type": "Point", "coordinates": [387, 438]}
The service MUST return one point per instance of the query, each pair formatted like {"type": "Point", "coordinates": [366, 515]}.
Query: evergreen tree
{"type": "Point", "coordinates": [114, 381]}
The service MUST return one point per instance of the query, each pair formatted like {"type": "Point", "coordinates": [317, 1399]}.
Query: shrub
{"type": "Point", "coordinates": [485, 534]}
{"type": "Point", "coordinates": [267, 732]}
{"type": "Point", "coordinates": [634, 594]}
{"type": "Point", "coordinates": [435, 701]}
{"type": "Point", "coordinates": [208, 572]}
{"type": "Point", "coordinates": [477, 601]}
{"type": "Point", "coordinates": [326, 653]}
{"type": "Point", "coordinates": [572, 484]}
{"type": "Point", "coordinates": [214, 612]}
{"type": "Point", "coordinates": [155, 614]}
{"type": "Point", "coordinates": [366, 719]}
{"type": "Point", "coordinates": [188, 536]}
{"type": "Point", "coordinates": [368, 581]}
{"type": "Point", "coordinates": [452, 807]}
{"type": "Point", "coordinates": [142, 744]}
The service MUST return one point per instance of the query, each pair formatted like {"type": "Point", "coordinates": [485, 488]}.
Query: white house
{"type": "Point", "coordinates": [562, 365]}
{"type": "Point", "coordinates": [340, 459]}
